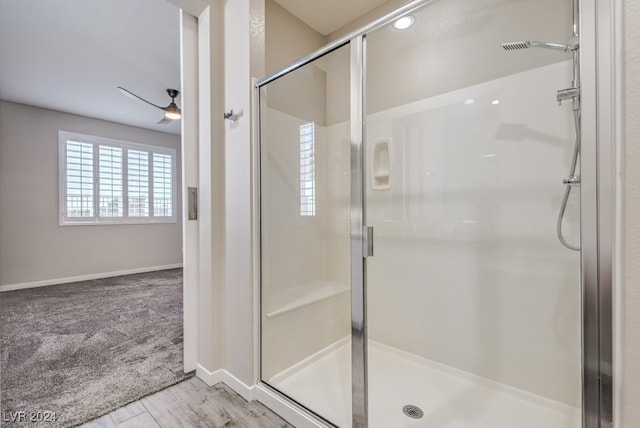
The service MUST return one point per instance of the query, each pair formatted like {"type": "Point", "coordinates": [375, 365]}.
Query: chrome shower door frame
{"type": "Point", "coordinates": [598, 214]}
{"type": "Point", "coordinates": [600, 101]}
{"type": "Point", "coordinates": [359, 348]}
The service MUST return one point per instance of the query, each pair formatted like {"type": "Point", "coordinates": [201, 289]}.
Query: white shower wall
{"type": "Point", "coordinates": [305, 297]}
{"type": "Point", "coordinates": [288, 231]}
{"type": "Point", "coordinates": [467, 268]}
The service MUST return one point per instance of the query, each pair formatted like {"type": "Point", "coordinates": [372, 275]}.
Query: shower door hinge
{"type": "Point", "coordinates": [367, 241]}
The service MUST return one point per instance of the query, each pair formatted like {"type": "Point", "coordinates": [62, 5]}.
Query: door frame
{"type": "Point", "coordinates": [201, 34]}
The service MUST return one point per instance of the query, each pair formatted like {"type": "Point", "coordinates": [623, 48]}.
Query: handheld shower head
{"type": "Point", "coordinates": [512, 46]}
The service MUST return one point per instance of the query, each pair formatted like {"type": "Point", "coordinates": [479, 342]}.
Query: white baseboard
{"type": "Point", "coordinates": [22, 285]}
{"type": "Point", "coordinates": [210, 378]}
{"type": "Point", "coordinates": [221, 375]}
{"type": "Point", "coordinates": [245, 391]}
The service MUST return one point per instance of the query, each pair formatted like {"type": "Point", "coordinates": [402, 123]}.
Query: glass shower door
{"type": "Point", "coordinates": [473, 304]}
{"type": "Point", "coordinates": [305, 236]}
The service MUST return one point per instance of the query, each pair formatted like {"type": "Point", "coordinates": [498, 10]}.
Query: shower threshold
{"type": "Point", "coordinates": [447, 397]}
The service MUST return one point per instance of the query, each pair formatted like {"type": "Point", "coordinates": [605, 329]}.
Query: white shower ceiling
{"type": "Point", "coordinates": [70, 55]}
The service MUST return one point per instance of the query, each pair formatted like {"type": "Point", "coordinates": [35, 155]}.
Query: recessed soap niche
{"type": "Point", "coordinates": [380, 164]}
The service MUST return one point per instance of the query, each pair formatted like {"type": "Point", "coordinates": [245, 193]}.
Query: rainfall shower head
{"type": "Point", "coordinates": [512, 46]}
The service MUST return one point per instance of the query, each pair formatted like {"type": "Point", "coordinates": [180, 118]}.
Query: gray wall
{"type": "Point", "coordinates": [33, 247]}
{"type": "Point", "coordinates": [286, 38]}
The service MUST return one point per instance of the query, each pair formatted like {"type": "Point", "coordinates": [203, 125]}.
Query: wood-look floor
{"type": "Point", "coordinates": [191, 403]}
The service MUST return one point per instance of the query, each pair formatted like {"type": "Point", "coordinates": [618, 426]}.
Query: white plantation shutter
{"type": "Point", "coordinates": [307, 170]}
{"type": "Point", "coordinates": [138, 183]}
{"type": "Point", "coordinates": [104, 181]}
{"type": "Point", "coordinates": [162, 185]}
{"type": "Point", "coordinates": [110, 193]}
{"type": "Point", "coordinates": [79, 179]}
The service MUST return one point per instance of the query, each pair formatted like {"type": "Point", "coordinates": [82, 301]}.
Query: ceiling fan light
{"type": "Point", "coordinates": [172, 112]}
{"type": "Point", "coordinates": [173, 115]}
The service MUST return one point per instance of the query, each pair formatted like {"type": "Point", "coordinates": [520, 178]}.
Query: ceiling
{"type": "Point", "coordinates": [70, 55]}
{"type": "Point", "coordinates": [327, 16]}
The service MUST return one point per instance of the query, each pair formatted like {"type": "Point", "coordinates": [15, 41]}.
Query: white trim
{"type": "Point", "coordinates": [211, 203]}
{"type": "Point", "coordinates": [221, 375]}
{"type": "Point", "coordinates": [285, 410]}
{"type": "Point", "coordinates": [56, 281]}
{"type": "Point", "coordinates": [201, 254]}
{"type": "Point", "coordinates": [247, 392]}
{"type": "Point", "coordinates": [110, 221]}
{"type": "Point", "coordinates": [210, 378]}
{"type": "Point", "coordinates": [189, 158]}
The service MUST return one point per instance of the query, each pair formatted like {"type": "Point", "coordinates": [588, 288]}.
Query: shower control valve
{"type": "Point", "coordinates": [568, 94]}
{"type": "Point", "coordinates": [572, 181]}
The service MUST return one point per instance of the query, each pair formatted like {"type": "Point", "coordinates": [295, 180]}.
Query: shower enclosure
{"type": "Point", "coordinates": [409, 188]}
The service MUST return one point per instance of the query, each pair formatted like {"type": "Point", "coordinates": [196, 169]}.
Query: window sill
{"type": "Point", "coordinates": [116, 223]}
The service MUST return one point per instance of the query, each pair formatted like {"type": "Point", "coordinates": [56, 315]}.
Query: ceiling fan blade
{"type": "Point", "coordinates": [164, 120]}
{"type": "Point", "coordinates": [131, 94]}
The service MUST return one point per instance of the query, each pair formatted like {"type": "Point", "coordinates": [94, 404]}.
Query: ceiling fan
{"type": "Point", "coordinates": [171, 112]}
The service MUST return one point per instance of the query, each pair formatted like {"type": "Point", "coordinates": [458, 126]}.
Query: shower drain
{"type": "Point", "coordinates": [412, 411]}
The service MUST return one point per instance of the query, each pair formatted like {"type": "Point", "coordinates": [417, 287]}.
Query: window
{"type": "Point", "coordinates": [110, 189]}
{"type": "Point", "coordinates": [162, 185]}
{"type": "Point", "coordinates": [307, 170]}
{"type": "Point", "coordinates": [79, 178]}
{"type": "Point", "coordinates": [138, 183]}
{"type": "Point", "coordinates": [105, 181]}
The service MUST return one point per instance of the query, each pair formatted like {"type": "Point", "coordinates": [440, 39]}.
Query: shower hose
{"type": "Point", "coordinates": [569, 186]}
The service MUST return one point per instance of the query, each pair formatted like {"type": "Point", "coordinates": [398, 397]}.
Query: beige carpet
{"type": "Point", "coordinates": [80, 350]}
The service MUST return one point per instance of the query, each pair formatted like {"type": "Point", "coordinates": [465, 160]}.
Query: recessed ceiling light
{"type": "Point", "coordinates": [469, 101]}
{"type": "Point", "coordinates": [403, 23]}
{"type": "Point", "coordinates": [495, 102]}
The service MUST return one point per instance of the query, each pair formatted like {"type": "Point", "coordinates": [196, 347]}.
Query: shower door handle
{"type": "Point", "coordinates": [367, 241]}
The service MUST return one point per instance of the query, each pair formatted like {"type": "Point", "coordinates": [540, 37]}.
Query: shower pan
{"type": "Point", "coordinates": [410, 202]}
